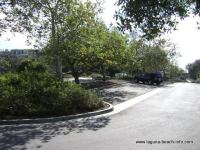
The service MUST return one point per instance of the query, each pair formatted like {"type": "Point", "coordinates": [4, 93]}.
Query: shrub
{"type": "Point", "coordinates": [197, 80]}
{"type": "Point", "coordinates": [33, 92]}
{"type": "Point", "coordinates": [82, 100]}
{"type": "Point", "coordinates": [32, 66]}
{"type": "Point", "coordinates": [8, 62]}
{"type": "Point", "coordinates": [27, 94]}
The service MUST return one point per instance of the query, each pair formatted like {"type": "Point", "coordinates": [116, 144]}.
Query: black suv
{"type": "Point", "coordinates": [149, 78]}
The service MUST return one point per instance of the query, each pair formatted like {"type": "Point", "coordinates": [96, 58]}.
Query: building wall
{"type": "Point", "coordinates": [28, 53]}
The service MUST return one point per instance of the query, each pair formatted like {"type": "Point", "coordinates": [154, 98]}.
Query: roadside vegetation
{"type": "Point", "coordinates": [194, 71]}
{"type": "Point", "coordinates": [74, 41]}
{"type": "Point", "coordinates": [32, 91]}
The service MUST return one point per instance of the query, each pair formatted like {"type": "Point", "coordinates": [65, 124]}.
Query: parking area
{"type": "Point", "coordinates": [118, 91]}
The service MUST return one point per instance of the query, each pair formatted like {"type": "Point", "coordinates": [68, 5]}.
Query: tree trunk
{"type": "Point", "coordinates": [59, 68]}
{"type": "Point", "coordinates": [103, 73]}
{"type": "Point", "coordinates": [76, 78]}
{"type": "Point", "coordinates": [55, 47]}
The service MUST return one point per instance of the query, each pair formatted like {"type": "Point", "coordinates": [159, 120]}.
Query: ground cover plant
{"type": "Point", "coordinates": [32, 91]}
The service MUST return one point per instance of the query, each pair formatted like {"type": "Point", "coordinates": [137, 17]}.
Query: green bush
{"type": "Point", "coordinates": [82, 100]}
{"type": "Point", "coordinates": [33, 92]}
{"type": "Point", "coordinates": [196, 81]}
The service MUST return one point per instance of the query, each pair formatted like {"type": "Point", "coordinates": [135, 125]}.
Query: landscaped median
{"type": "Point", "coordinates": [32, 92]}
{"type": "Point", "coordinates": [108, 108]}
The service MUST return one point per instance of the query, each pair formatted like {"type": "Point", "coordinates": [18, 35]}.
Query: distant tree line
{"type": "Point", "coordinates": [194, 69]}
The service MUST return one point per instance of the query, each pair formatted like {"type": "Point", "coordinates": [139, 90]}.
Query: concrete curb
{"type": "Point", "coordinates": [55, 119]}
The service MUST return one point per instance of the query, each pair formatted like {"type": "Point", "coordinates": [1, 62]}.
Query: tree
{"type": "Point", "coordinates": [146, 57]}
{"type": "Point", "coordinates": [155, 59]}
{"type": "Point", "coordinates": [154, 17]}
{"type": "Point", "coordinates": [42, 19]}
{"type": "Point", "coordinates": [173, 71]}
{"type": "Point", "coordinates": [131, 62]}
{"type": "Point", "coordinates": [80, 32]}
{"type": "Point", "coordinates": [77, 48]}
{"type": "Point", "coordinates": [108, 50]}
{"type": "Point", "coordinates": [194, 69]}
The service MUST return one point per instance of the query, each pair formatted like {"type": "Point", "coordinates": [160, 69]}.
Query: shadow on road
{"type": "Point", "coordinates": [17, 136]}
{"type": "Point", "coordinates": [115, 97]}
{"type": "Point", "coordinates": [99, 84]}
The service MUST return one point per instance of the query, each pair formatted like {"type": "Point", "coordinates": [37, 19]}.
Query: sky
{"type": "Point", "coordinates": [186, 38]}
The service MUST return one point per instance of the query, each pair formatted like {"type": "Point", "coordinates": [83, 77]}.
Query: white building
{"type": "Point", "coordinates": [26, 53]}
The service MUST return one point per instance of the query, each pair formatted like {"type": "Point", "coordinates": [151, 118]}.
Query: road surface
{"type": "Point", "coordinates": [168, 120]}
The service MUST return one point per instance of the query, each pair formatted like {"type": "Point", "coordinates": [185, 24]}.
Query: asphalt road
{"type": "Point", "coordinates": [168, 120]}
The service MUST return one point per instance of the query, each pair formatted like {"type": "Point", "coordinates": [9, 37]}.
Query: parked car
{"type": "Point", "coordinates": [149, 78]}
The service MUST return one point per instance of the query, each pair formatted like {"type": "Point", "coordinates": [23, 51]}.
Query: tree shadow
{"type": "Point", "coordinates": [100, 84]}
{"type": "Point", "coordinates": [142, 85]}
{"type": "Point", "coordinates": [146, 85]}
{"type": "Point", "coordinates": [115, 97]}
{"type": "Point", "coordinates": [17, 136]}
